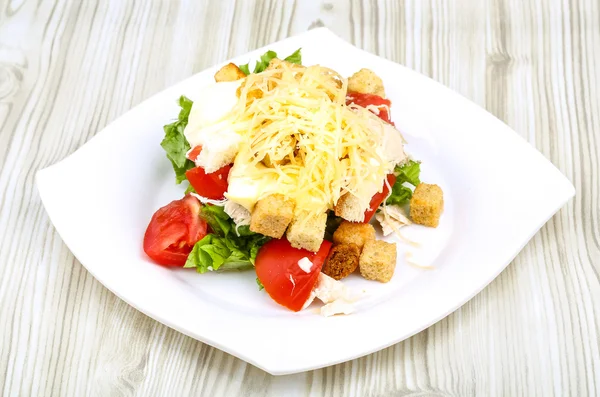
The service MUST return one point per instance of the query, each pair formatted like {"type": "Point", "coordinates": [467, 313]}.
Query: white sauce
{"type": "Point", "coordinates": [209, 127]}
{"type": "Point", "coordinates": [210, 107]}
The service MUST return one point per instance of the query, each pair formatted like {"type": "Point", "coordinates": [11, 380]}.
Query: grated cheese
{"type": "Point", "coordinates": [298, 134]}
{"type": "Point", "coordinates": [408, 257]}
{"type": "Point", "coordinates": [205, 200]}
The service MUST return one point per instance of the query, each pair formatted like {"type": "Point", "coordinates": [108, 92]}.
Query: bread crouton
{"type": "Point", "coordinates": [229, 72]}
{"type": "Point", "coordinates": [272, 215]}
{"type": "Point", "coordinates": [252, 94]}
{"type": "Point", "coordinates": [349, 208]}
{"type": "Point", "coordinates": [354, 233]}
{"type": "Point", "coordinates": [341, 261]}
{"type": "Point", "coordinates": [366, 81]}
{"type": "Point", "coordinates": [217, 153]}
{"type": "Point", "coordinates": [427, 204]}
{"type": "Point", "coordinates": [378, 260]}
{"type": "Point", "coordinates": [307, 231]}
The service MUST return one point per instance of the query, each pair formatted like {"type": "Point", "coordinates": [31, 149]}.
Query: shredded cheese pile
{"type": "Point", "coordinates": [298, 133]}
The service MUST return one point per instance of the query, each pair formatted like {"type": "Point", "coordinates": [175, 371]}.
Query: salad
{"type": "Point", "coordinates": [287, 165]}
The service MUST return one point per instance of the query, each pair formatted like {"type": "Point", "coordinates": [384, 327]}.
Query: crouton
{"type": "Point", "coordinates": [218, 150]}
{"type": "Point", "coordinates": [272, 215]}
{"type": "Point", "coordinates": [366, 81]}
{"type": "Point", "coordinates": [427, 204]}
{"type": "Point", "coordinates": [229, 72]}
{"type": "Point", "coordinates": [252, 93]}
{"type": "Point", "coordinates": [378, 260]}
{"type": "Point", "coordinates": [354, 233]}
{"type": "Point", "coordinates": [307, 231]}
{"type": "Point", "coordinates": [349, 208]}
{"type": "Point", "coordinates": [341, 261]}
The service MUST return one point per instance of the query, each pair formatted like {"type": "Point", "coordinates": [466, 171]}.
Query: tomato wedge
{"type": "Point", "coordinates": [364, 100]}
{"type": "Point", "coordinates": [278, 270]}
{"type": "Point", "coordinates": [213, 185]}
{"type": "Point", "coordinates": [378, 198]}
{"type": "Point", "coordinates": [173, 231]}
{"type": "Point", "coordinates": [193, 154]}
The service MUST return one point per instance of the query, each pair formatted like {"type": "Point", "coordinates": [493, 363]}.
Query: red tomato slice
{"type": "Point", "coordinates": [378, 198]}
{"type": "Point", "coordinates": [213, 185]}
{"type": "Point", "coordinates": [173, 231]}
{"type": "Point", "coordinates": [364, 100]}
{"type": "Point", "coordinates": [278, 271]}
{"type": "Point", "coordinates": [193, 154]}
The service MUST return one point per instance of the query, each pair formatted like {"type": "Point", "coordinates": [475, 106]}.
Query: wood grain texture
{"type": "Point", "coordinates": [67, 68]}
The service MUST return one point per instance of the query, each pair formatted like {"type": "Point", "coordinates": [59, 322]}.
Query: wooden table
{"type": "Point", "coordinates": [67, 68]}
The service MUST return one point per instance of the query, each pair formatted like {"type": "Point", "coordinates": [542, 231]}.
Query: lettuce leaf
{"type": "Point", "coordinates": [407, 175]}
{"type": "Point", "coordinates": [400, 194]}
{"type": "Point", "coordinates": [409, 172]}
{"type": "Point", "coordinates": [244, 68]}
{"type": "Point", "coordinates": [260, 285]}
{"type": "Point", "coordinates": [225, 248]}
{"type": "Point", "coordinates": [221, 224]}
{"type": "Point", "coordinates": [265, 58]}
{"type": "Point", "coordinates": [174, 142]}
{"type": "Point", "coordinates": [216, 253]}
{"type": "Point", "coordinates": [264, 61]}
{"type": "Point", "coordinates": [190, 189]}
{"type": "Point", "coordinates": [296, 57]}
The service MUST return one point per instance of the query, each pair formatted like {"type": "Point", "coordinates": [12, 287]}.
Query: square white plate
{"type": "Point", "coordinates": [498, 192]}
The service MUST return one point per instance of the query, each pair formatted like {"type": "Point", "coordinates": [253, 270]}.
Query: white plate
{"type": "Point", "coordinates": [498, 191]}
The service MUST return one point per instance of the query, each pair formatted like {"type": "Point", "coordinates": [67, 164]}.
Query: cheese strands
{"type": "Point", "coordinates": [299, 135]}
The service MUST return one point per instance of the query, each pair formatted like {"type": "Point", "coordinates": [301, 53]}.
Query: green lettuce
{"type": "Point", "coordinates": [260, 285]}
{"type": "Point", "coordinates": [407, 175]}
{"type": "Point", "coordinates": [244, 68]}
{"type": "Point", "coordinates": [296, 57]}
{"type": "Point", "coordinates": [228, 247]}
{"type": "Point", "coordinates": [174, 142]}
{"type": "Point", "coordinates": [190, 189]}
{"type": "Point", "coordinates": [265, 58]}
{"type": "Point", "coordinates": [409, 172]}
